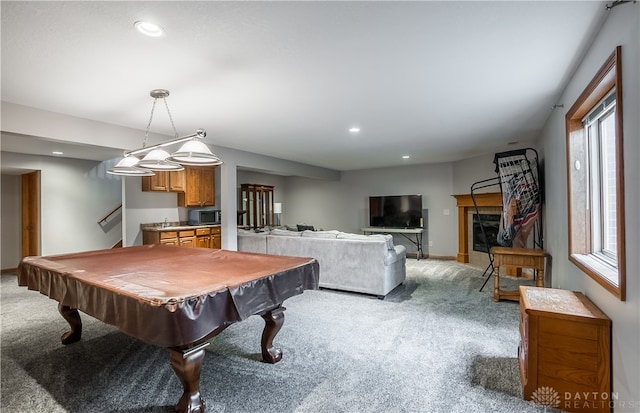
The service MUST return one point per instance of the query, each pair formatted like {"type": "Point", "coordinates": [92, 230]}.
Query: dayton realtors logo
{"type": "Point", "coordinates": [549, 397]}
{"type": "Point", "coordinates": [546, 396]}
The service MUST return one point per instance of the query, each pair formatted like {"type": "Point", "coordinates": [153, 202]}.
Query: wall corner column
{"type": "Point", "coordinates": [229, 205]}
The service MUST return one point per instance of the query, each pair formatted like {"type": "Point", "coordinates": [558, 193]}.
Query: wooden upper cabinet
{"type": "Point", "coordinates": [157, 182]}
{"type": "Point", "coordinates": [177, 181]}
{"type": "Point", "coordinates": [199, 187]}
{"type": "Point", "coordinates": [165, 181]}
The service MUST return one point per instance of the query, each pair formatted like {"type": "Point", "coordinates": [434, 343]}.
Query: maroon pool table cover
{"type": "Point", "coordinates": [168, 295]}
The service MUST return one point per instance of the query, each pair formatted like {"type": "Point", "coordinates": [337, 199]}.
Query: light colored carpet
{"type": "Point", "coordinates": [435, 344]}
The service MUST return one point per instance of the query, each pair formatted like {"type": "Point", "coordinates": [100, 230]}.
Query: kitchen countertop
{"type": "Point", "coordinates": [173, 226]}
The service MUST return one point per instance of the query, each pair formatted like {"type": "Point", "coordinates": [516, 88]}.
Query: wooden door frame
{"type": "Point", "coordinates": [30, 213]}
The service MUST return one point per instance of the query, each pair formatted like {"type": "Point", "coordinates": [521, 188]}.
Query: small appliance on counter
{"type": "Point", "coordinates": [203, 216]}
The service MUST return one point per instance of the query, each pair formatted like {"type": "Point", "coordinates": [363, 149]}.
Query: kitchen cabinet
{"type": "Point", "coordinates": [216, 238]}
{"type": "Point", "coordinates": [201, 236]}
{"type": "Point", "coordinates": [199, 187]}
{"type": "Point", "coordinates": [168, 238]}
{"type": "Point", "coordinates": [187, 238]}
{"type": "Point", "coordinates": [565, 350]}
{"type": "Point", "coordinates": [165, 181]}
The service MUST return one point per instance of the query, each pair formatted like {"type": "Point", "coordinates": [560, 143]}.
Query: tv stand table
{"type": "Point", "coordinates": [405, 232]}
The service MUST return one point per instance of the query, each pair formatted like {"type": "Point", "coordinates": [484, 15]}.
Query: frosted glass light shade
{"type": "Point", "coordinates": [158, 160]}
{"type": "Point", "coordinates": [128, 166]}
{"type": "Point", "coordinates": [195, 153]}
{"type": "Point", "coordinates": [277, 208]}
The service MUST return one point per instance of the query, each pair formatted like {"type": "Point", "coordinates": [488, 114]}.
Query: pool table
{"type": "Point", "coordinates": [174, 297]}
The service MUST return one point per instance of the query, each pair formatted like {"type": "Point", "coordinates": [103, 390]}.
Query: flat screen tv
{"type": "Point", "coordinates": [395, 211]}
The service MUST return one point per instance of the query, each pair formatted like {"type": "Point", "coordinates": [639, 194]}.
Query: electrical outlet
{"type": "Point", "coordinates": [431, 243]}
{"type": "Point", "coordinates": [446, 212]}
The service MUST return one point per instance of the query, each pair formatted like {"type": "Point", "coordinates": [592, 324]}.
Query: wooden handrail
{"type": "Point", "coordinates": [109, 214]}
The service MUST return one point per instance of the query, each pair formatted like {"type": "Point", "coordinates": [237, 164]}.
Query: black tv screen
{"type": "Point", "coordinates": [396, 211]}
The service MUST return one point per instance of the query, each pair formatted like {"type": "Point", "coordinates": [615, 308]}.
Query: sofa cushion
{"type": "Point", "coordinates": [320, 234]}
{"type": "Point", "coordinates": [250, 232]}
{"type": "Point", "coordinates": [285, 232]}
{"type": "Point", "coordinates": [388, 239]}
{"type": "Point", "coordinates": [251, 241]}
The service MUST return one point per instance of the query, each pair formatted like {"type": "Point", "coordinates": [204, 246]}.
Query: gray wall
{"type": "Point", "coordinates": [75, 194]}
{"type": "Point", "coordinates": [344, 204]}
{"type": "Point", "coordinates": [621, 28]}
{"type": "Point", "coordinates": [468, 171]}
{"type": "Point", "coordinates": [277, 181]}
{"type": "Point", "coordinates": [10, 243]}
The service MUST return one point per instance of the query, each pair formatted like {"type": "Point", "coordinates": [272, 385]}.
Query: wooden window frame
{"type": "Point", "coordinates": [579, 221]}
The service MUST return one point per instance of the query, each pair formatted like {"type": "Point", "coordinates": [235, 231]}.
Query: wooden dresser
{"type": "Point", "coordinates": [565, 350]}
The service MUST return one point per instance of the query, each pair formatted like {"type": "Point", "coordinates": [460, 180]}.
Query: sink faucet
{"type": "Point", "coordinates": [165, 223]}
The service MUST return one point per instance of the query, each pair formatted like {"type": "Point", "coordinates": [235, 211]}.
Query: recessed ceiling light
{"type": "Point", "coordinates": [149, 29]}
{"type": "Point", "coordinates": [57, 152]}
{"type": "Point", "coordinates": [405, 157]}
{"type": "Point", "coordinates": [354, 130]}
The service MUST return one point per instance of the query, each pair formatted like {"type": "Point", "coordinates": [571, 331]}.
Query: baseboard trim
{"type": "Point", "coordinates": [9, 271]}
{"type": "Point", "coordinates": [430, 256]}
{"type": "Point", "coordinates": [442, 257]}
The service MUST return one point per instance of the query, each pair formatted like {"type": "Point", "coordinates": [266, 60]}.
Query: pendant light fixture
{"type": "Point", "coordinates": [193, 152]}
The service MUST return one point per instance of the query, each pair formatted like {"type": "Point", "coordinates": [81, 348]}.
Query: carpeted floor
{"type": "Point", "coordinates": [435, 344]}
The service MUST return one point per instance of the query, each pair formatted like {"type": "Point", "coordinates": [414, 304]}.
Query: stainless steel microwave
{"type": "Point", "coordinates": [204, 216]}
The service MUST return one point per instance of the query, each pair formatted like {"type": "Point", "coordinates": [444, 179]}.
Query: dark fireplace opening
{"type": "Point", "coordinates": [491, 225]}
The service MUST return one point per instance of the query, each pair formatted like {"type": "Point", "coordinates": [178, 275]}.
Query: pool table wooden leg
{"type": "Point", "coordinates": [187, 364]}
{"type": "Point", "coordinates": [73, 318]}
{"type": "Point", "coordinates": [273, 320]}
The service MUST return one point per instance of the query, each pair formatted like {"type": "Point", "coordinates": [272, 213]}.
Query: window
{"type": "Point", "coordinates": [595, 179]}
{"type": "Point", "coordinates": [600, 127]}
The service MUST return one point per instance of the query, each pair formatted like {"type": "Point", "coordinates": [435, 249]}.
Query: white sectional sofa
{"type": "Point", "coordinates": [369, 264]}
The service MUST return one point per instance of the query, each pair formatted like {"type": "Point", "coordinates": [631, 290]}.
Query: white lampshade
{"type": "Point", "coordinates": [128, 166]}
{"type": "Point", "coordinates": [277, 208]}
{"type": "Point", "coordinates": [195, 153]}
{"type": "Point", "coordinates": [158, 160]}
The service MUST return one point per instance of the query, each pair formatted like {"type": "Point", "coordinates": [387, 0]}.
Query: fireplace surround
{"type": "Point", "coordinates": [485, 225]}
{"type": "Point", "coordinates": [488, 203]}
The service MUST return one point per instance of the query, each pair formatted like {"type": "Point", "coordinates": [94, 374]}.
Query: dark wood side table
{"type": "Point", "coordinates": [519, 258]}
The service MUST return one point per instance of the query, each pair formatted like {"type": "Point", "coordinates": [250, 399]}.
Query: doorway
{"type": "Point", "coordinates": [30, 213]}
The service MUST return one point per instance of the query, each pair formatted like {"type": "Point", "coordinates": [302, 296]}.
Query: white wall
{"type": "Point", "coordinates": [622, 27]}
{"type": "Point", "coordinates": [277, 181]}
{"type": "Point", "coordinates": [469, 171]}
{"type": "Point", "coordinates": [10, 243]}
{"type": "Point", "coordinates": [74, 195]}
{"type": "Point", "coordinates": [344, 204]}
{"type": "Point", "coordinates": [147, 207]}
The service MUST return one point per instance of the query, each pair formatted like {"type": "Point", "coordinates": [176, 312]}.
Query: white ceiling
{"type": "Point", "coordinates": [440, 81]}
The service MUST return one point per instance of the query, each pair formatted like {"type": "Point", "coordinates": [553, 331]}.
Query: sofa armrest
{"type": "Point", "coordinates": [252, 242]}
{"type": "Point", "coordinates": [398, 253]}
